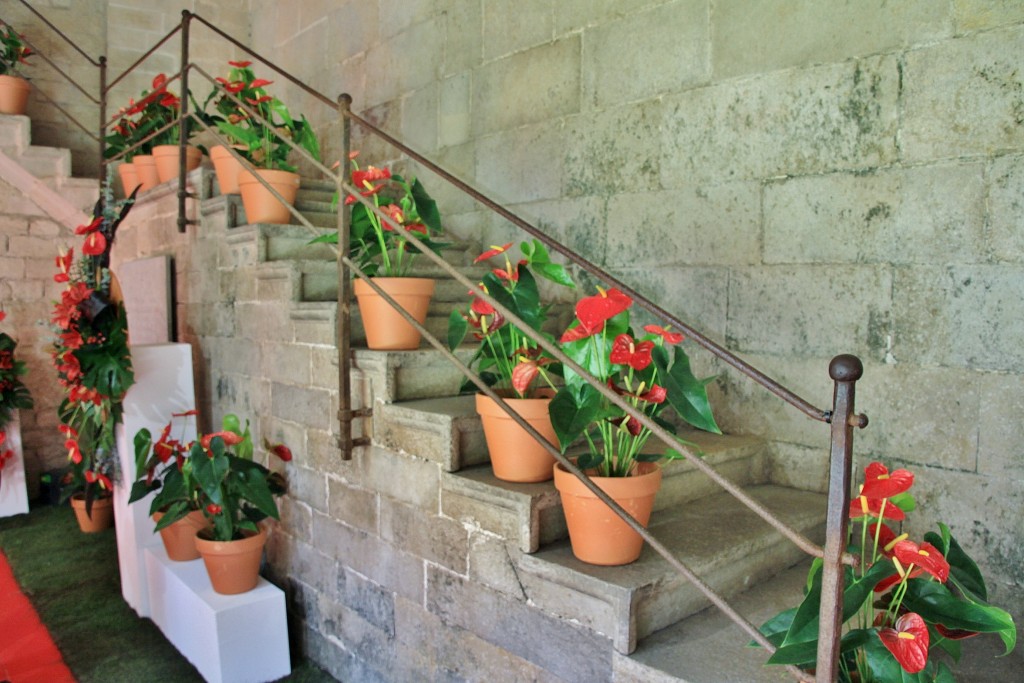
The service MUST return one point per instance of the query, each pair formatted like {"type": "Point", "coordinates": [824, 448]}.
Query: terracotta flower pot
{"type": "Point", "coordinates": [102, 513]}
{"type": "Point", "coordinates": [166, 158]}
{"type": "Point", "coordinates": [13, 95]}
{"type": "Point", "coordinates": [260, 205]}
{"type": "Point", "coordinates": [145, 168]}
{"type": "Point", "coordinates": [227, 168]}
{"type": "Point", "coordinates": [129, 178]}
{"type": "Point", "coordinates": [180, 537]}
{"type": "Point", "coordinates": [515, 455]}
{"type": "Point", "coordinates": [597, 534]}
{"type": "Point", "coordinates": [233, 566]}
{"type": "Point", "coordinates": [385, 327]}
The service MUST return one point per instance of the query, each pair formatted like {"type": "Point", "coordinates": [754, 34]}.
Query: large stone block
{"type": "Point", "coordinates": [419, 128]}
{"type": "Point", "coordinates": [823, 118]}
{"type": "Point", "coordinates": [925, 214]}
{"type": "Point", "coordinates": [1000, 451]}
{"type": "Point", "coordinates": [437, 539]}
{"type": "Point", "coordinates": [612, 150]}
{"type": "Point", "coordinates": [368, 600]}
{"type": "Point", "coordinates": [405, 478]}
{"type": "Point", "coordinates": [615, 71]}
{"type": "Point", "coordinates": [1006, 209]}
{"type": "Point", "coordinates": [308, 486]}
{"type": "Point", "coordinates": [972, 15]}
{"type": "Point", "coordinates": [757, 37]}
{"type": "Point", "coordinates": [527, 87]}
{"type": "Point", "coordinates": [354, 506]}
{"type": "Point", "coordinates": [367, 554]}
{"type": "Point", "coordinates": [962, 316]}
{"type": "Point", "coordinates": [519, 165]}
{"type": "Point", "coordinates": [353, 26]}
{"type": "Point", "coordinates": [514, 25]}
{"type": "Point", "coordinates": [812, 310]}
{"type": "Point", "coordinates": [964, 97]}
{"type": "Point", "coordinates": [464, 38]}
{"type": "Point", "coordinates": [519, 628]}
{"type": "Point", "coordinates": [303, 405]}
{"type": "Point", "coordinates": [411, 61]}
{"type": "Point", "coordinates": [289, 363]}
{"type": "Point", "coordinates": [700, 226]}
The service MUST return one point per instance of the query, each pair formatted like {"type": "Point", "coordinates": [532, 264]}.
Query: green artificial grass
{"type": "Point", "coordinates": [72, 580]}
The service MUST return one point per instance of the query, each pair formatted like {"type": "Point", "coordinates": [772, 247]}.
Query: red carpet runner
{"type": "Point", "coordinates": [27, 653]}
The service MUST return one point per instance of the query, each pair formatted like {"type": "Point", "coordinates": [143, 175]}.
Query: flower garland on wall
{"type": "Point", "coordinates": [14, 394]}
{"type": "Point", "coordinates": [91, 353]}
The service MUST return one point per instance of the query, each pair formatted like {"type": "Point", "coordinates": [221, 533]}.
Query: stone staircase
{"type": "Point", "coordinates": [418, 411]}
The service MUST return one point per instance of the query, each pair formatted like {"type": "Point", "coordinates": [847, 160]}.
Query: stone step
{"type": "Point", "coordinates": [46, 162]}
{"type": "Point", "coordinates": [81, 192]}
{"type": "Point", "coordinates": [445, 430]}
{"type": "Point", "coordinates": [320, 281]}
{"type": "Point", "coordinates": [15, 134]}
{"type": "Point", "coordinates": [530, 515]}
{"type": "Point", "coordinates": [708, 647]}
{"type": "Point", "coordinates": [720, 540]}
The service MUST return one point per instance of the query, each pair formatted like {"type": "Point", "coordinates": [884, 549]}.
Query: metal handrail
{"type": "Point", "coordinates": [844, 370]}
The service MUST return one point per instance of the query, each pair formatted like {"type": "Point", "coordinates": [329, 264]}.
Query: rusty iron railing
{"type": "Point", "coordinates": [844, 370]}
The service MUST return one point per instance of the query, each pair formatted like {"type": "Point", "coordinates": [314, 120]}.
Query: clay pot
{"type": "Point", "coordinates": [515, 455]}
{"type": "Point", "coordinates": [227, 168]}
{"type": "Point", "coordinates": [598, 535]}
{"type": "Point", "coordinates": [145, 169]}
{"type": "Point", "coordinates": [102, 513]}
{"type": "Point", "coordinates": [385, 327]}
{"type": "Point", "coordinates": [129, 177]}
{"type": "Point", "coordinates": [260, 205]}
{"type": "Point", "coordinates": [13, 95]}
{"type": "Point", "coordinates": [166, 158]}
{"type": "Point", "coordinates": [180, 537]}
{"type": "Point", "coordinates": [233, 566]}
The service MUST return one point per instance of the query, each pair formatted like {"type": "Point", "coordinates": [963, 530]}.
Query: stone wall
{"type": "Point", "coordinates": [798, 179]}
{"type": "Point", "coordinates": [132, 28]}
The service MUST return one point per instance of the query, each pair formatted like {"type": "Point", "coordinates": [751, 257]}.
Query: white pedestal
{"type": "Point", "coordinates": [229, 638]}
{"type": "Point", "coordinates": [163, 385]}
{"type": "Point", "coordinates": [13, 495]}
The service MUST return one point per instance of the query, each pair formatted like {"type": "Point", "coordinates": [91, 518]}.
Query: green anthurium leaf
{"type": "Point", "coordinates": [775, 629]}
{"type": "Point", "coordinates": [426, 207]}
{"type": "Point", "coordinates": [252, 487]}
{"type": "Point", "coordinates": [457, 329]}
{"type": "Point", "coordinates": [947, 645]}
{"type": "Point", "coordinates": [937, 605]}
{"type": "Point", "coordinates": [589, 460]}
{"type": "Point", "coordinates": [804, 654]}
{"type": "Point", "coordinates": [329, 238]}
{"type": "Point", "coordinates": [944, 674]}
{"type": "Point", "coordinates": [687, 394]}
{"type": "Point", "coordinates": [904, 501]}
{"type": "Point", "coordinates": [143, 441]}
{"type": "Point", "coordinates": [140, 490]}
{"type": "Point", "coordinates": [963, 571]}
{"type": "Point", "coordinates": [173, 513]}
{"type": "Point", "coordinates": [574, 409]}
{"type": "Point", "coordinates": [231, 423]}
{"type": "Point", "coordinates": [523, 300]}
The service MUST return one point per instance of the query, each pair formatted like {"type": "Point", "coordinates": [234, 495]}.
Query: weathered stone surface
{"type": "Point", "coordinates": [437, 539]}
{"type": "Point", "coordinates": [571, 16]}
{"type": "Point", "coordinates": [411, 61]}
{"type": "Point", "coordinates": [308, 486]}
{"type": "Point", "coordinates": [702, 226]}
{"type": "Point", "coordinates": [1006, 208]}
{"type": "Point", "coordinates": [514, 25]}
{"type": "Point", "coordinates": [302, 405]}
{"type": "Point", "coordinates": [824, 118]}
{"type": "Point", "coordinates": [963, 316]}
{"type": "Point", "coordinates": [518, 628]}
{"type": "Point", "coordinates": [578, 223]}
{"type": "Point", "coordinates": [368, 600]}
{"type": "Point", "coordinates": [835, 307]}
{"type": "Point", "coordinates": [529, 86]}
{"type": "Point", "coordinates": [696, 296]}
{"type": "Point", "coordinates": [464, 38]}
{"type": "Point", "coordinates": [517, 165]}
{"type": "Point", "coordinates": [918, 215]}
{"type": "Point", "coordinates": [353, 27]}
{"type": "Point", "coordinates": [978, 14]}
{"type": "Point", "coordinates": [615, 71]}
{"type": "Point", "coordinates": [491, 563]}
{"type": "Point", "coordinates": [444, 430]}
{"type": "Point", "coordinates": [1000, 451]}
{"type": "Point", "coordinates": [420, 119]}
{"type": "Point", "coordinates": [964, 97]}
{"type": "Point", "coordinates": [757, 38]}
{"type": "Point", "coordinates": [354, 506]}
{"type": "Point", "coordinates": [405, 478]}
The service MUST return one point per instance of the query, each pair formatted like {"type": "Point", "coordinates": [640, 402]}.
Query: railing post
{"type": "Point", "coordinates": [186, 17]}
{"type": "Point", "coordinates": [845, 370]}
{"type": "Point", "coordinates": [103, 122]}
{"type": "Point", "coordinates": [343, 328]}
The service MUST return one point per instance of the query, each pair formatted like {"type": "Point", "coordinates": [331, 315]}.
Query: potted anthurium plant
{"type": "Point", "coordinates": [262, 145]}
{"type": "Point", "coordinates": [651, 379]}
{"type": "Point", "coordinates": [93, 363]}
{"type": "Point", "coordinates": [511, 362]}
{"type": "Point", "coordinates": [383, 251]}
{"type": "Point", "coordinates": [14, 88]}
{"type": "Point", "coordinates": [233, 492]}
{"type": "Point", "coordinates": [14, 396]}
{"type": "Point", "coordinates": [907, 604]}
{"type": "Point", "coordinates": [161, 108]}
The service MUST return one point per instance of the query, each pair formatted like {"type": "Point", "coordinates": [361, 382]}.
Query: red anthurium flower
{"type": "Point", "coordinates": [394, 212]}
{"type": "Point", "coordinates": [3, 437]}
{"type": "Point", "coordinates": [260, 83]}
{"type": "Point", "coordinates": [68, 431]}
{"type": "Point", "coordinates": [74, 453]}
{"type": "Point", "coordinates": [164, 451]}
{"type": "Point", "coordinates": [90, 476]}
{"type": "Point", "coordinates": [279, 449]}
{"type": "Point", "coordinates": [91, 227]}
{"type": "Point", "coordinates": [669, 337]}
{"type": "Point", "coordinates": [230, 439]}
{"type": "Point", "coordinates": [416, 227]}
{"type": "Point", "coordinates": [954, 633]}
{"type": "Point", "coordinates": [64, 262]}
{"type": "Point", "coordinates": [95, 244]}
{"type": "Point", "coordinates": [628, 351]}
{"type": "Point", "coordinates": [525, 372]}
{"type": "Point", "coordinates": [258, 100]}
{"type": "Point", "coordinates": [655, 394]}
{"type": "Point", "coordinates": [214, 509]}
{"type": "Point", "coordinates": [105, 482]}
{"type": "Point", "coordinates": [492, 252]}
{"type": "Point", "coordinates": [3, 314]}
{"type": "Point", "coordinates": [925, 556]}
{"type": "Point", "coordinates": [887, 538]}
{"type": "Point", "coordinates": [632, 424]}
{"type": "Point", "coordinates": [239, 65]}
{"type": "Point", "coordinates": [862, 506]}
{"type": "Point", "coordinates": [880, 483]}
{"type": "Point", "coordinates": [170, 100]}
{"type": "Point", "coordinates": [160, 82]}
{"type": "Point", "coordinates": [363, 178]}
{"type": "Point", "coordinates": [908, 642]}
{"type": "Point", "coordinates": [187, 413]}
{"type": "Point", "coordinates": [594, 311]}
